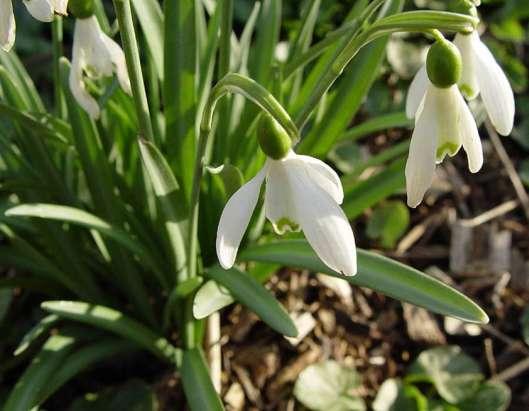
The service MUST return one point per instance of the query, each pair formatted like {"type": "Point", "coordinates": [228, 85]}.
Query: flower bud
{"type": "Point", "coordinates": [443, 64]}
{"type": "Point", "coordinates": [273, 139]}
{"type": "Point", "coordinates": [81, 9]}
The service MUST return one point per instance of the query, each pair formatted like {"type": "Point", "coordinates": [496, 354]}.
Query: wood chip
{"type": "Point", "coordinates": [421, 325]}
{"type": "Point", "coordinates": [305, 323]}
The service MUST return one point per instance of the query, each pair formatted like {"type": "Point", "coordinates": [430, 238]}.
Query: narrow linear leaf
{"type": "Point", "coordinates": [24, 395]}
{"type": "Point", "coordinates": [82, 359]}
{"type": "Point", "coordinates": [379, 123]}
{"type": "Point", "coordinates": [198, 388]}
{"type": "Point", "coordinates": [115, 322]}
{"type": "Point", "coordinates": [39, 329]}
{"type": "Point", "coordinates": [378, 273]}
{"type": "Point", "coordinates": [256, 297]}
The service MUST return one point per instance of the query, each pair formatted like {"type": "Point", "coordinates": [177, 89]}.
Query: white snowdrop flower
{"type": "Point", "coordinates": [7, 25]}
{"type": "Point", "coordinates": [443, 121]}
{"type": "Point", "coordinates": [94, 54]}
{"type": "Point", "coordinates": [302, 193]}
{"type": "Point", "coordinates": [483, 75]}
{"type": "Point", "coordinates": [42, 10]}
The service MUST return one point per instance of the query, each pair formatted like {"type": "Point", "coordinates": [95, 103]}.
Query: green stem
{"type": "Point", "coordinates": [132, 57]}
{"type": "Point", "coordinates": [57, 35]}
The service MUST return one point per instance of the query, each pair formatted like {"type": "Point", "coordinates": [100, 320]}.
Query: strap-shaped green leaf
{"type": "Point", "coordinates": [256, 297]}
{"type": "Point", "coordinates": [37, 375]}
{"type": "Point", "coordinates": [115, 322]}
{"type": "Point", "coordinates": [151, 21]}
{"type": "Point", "coordinates": [82, 359]}
{"type": "Point", "coordinates": [378, 273]}
{"type": "Point", "coordinates": [34, 333]}
{"type": "Point", "coordinates": [198, 388]}
{"type": "Point", "coordinates": [85, 219]}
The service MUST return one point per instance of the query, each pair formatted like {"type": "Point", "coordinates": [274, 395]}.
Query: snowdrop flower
{"type": "Point", "coordinates": [301, 193]}
{"type": "Point", "coordinates": [443, 121]}
{"type": "Point", "coordinates": [94, 54]}
{"type": "Point", "coordinates": [42, 10]}
{"type": "Point", "coordinates": [483, 75]}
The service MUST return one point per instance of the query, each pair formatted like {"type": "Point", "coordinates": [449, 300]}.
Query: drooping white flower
{"type": "Point", "coordinates": [301, 193]}
{"type": "Point", "coordinates": [42, 10]}
{"type": "Point", "coordinates": [94, 54]}
{"type": "Point", "coordinates": [483, 75]}
{"type": "Point", "coordinates": [7, 25]}
{"type": "Point", "coordinates": [443, 123]}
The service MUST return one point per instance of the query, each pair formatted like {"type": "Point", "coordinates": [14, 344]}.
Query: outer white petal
{"type": "Point", "coordinates": [323, 175]}
{"type": "Point", "coordinates": [324, 223]}
{"type": "Point", "coordinates": [7, 25]}
{"type": "Point", "coordinates": [60, 6]}
{"type": "Point", "coordinates": [420, 166]}
{"type": "Point", "coordinates": [416, 92]}
{"type": "Point", "coordinates": [470, 137]}
{"type": "Point", "coordinates": [85, 100]}
{"type": "Point", "coordinates": [235, 218]}
{"type": "Point", "coordinates": [279, 207]}
{"type": "Point", "coordinates": [496, 91]}
{"type": "Point", "coordinates": [96, 55]}
{"type": "Point", "coordinates": [118, 60]}
{"type": "Point", "coordinates": [468, 84]}
{"type": "Point", "coordinates": [40, 9]}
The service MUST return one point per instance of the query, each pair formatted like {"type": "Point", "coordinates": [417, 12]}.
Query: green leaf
{"type": "Point", "coordinates": [326, 386]}
{"type": "Point", "coordinates": [376, 124]}
{"type": "Point", "coordinates": [388, 222]}
{"type": "Point", "coordinates": [367, 193]}
{"type": "Point", "coordinates": [134, 395]}
{"type": "Point", "coordinates": [210, 298]}
{"type": "Point", "coordinates": [490, 396]}
{"type": "Point", "coordinates": [246, 290]}
{"type": "Point", "coordinates": [395, 396]}
{"type": "Point", "coordinates": [198, 388]}
{"type": "Point", "coordinates": [82, 359]}
{"type": "Point", "coordinates": [39, 329]}
{"type": "Point", "coordinates": [78, 217]}
{"type": "Point", "coordinates": [35, 378]}
{"type": "Point", "coordinates": [378, 273]}
{"type": "Point", "coordinates": [115, 322]}
{"type": "Point", "coordinates": [150, 17]}
{"type": "Point", "coordinates": [455, 375]}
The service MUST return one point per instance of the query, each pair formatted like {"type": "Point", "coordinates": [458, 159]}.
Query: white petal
{"type": "Point", "coordinates": [7, 25]}
{"type": "Point", "coordinates": [470, 137]}
{"type": "Point", "coordinates": [279, 207]}
{"type": "Point", "coordinates": [40, 9]}
{"type": "Point", "coordinates": [60, 6]}
{"type": "Point", "coordinates": [324, 223]}
{"type": "Point", "coordinates": [96, 54]}
{"type": "Point", "coordinates": [496, 91]}
{"type": "Point", "coordinates": [468, 84]}
{"type": "Point", "coordinates": [416, 92]}
{"type": "Point", "coordinates": [420, 165]}
{"type": "Point", "coordinates": [323, 175]}
{"type": "Point", "coordinates": [118, 60]}
{"type": "Point", "coordinates": [85, 100]}
{"type": "Point", "coordinates": [235, 218]}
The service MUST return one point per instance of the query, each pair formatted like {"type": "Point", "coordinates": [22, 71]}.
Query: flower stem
{"type": "Point", "coordinates": [132, 57]}
{"type": "Point", "coordinates": [57, 35]}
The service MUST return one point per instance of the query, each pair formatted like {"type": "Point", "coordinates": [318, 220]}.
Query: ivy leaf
{"type": "Point", "coordinates": [388, 222]}
{"type": "Point", "coordinates": [327, 386]}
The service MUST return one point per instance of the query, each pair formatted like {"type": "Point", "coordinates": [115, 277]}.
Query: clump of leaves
{"type": "Point", "coordinates": [443, 379]}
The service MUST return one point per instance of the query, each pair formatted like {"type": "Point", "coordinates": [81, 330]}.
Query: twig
{"type": "Point", "coordinates": [509, 167]}
{"type": "Point", "coordinates": [513, 371]}
{"type": "Point", "coordinates": [491, 214]}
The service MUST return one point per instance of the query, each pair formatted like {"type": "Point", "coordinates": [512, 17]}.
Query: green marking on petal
{"type": "Point", "coordinates": [466, 90]}
{"type": "Point", "coordinates": [284, 224]}
{"type": "Point", "coordinates": [447, 148]}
